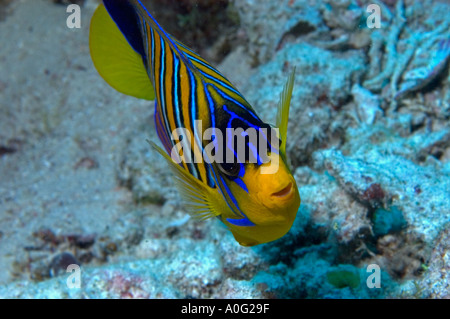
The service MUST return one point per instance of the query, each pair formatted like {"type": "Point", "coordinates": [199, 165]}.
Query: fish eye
{"type": "Point", "coordinates": [230, 169]}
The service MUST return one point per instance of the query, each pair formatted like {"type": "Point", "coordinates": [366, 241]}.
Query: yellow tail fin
{"type": "Point", "coordinates": [116, 61]}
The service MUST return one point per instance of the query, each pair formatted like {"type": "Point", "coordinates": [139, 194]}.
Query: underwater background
{"type": "Point", "coordinates": [368, 140]}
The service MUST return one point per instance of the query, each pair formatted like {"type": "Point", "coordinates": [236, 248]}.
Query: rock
{"type": "Point", "coordinates": [367, 104]}
{"type": "Point", "coordinates": [268, 23]}
{"type": "Point", "coordinates": [323, 83]}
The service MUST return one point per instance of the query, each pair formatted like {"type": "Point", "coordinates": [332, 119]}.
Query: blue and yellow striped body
{"type": "Point", "coordinates": [256, 207]}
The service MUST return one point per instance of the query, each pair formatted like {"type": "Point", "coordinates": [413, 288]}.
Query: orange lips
{"type": "Point", "coordinates": [285, 192]}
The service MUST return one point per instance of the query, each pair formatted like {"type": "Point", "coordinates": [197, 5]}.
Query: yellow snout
{"type": "Point", "coordinates": [274, 192]}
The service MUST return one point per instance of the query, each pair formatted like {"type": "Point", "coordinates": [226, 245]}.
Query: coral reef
{"type": "Point", "coordinates": [315, 107]}
{"type": "Point", "coordinates": [435, 281]}
{"type": "Point", "coordinates": [267, 24]}
{"type": "Point", "coordinates": [207, 26]}
{"type": "Point", "coordinates": [141, 170]}
{"type": "Point", "coordinates": [406, 66]}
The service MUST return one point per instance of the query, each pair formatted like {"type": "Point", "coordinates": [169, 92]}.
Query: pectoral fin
{"type": "Point", "coordinates": [199, 199]}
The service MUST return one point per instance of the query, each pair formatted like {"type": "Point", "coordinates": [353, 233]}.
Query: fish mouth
{"type": "Point", "coordinates": [284, 192]}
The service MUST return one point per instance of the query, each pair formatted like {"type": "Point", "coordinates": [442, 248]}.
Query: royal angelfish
{"type": "Point", "coordinates": [252, 191]}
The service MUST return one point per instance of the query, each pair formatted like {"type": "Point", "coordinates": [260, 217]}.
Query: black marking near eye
{"type": "Point", "coordinates": [230, 169]}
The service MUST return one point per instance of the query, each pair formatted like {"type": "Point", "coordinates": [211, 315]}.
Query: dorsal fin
{"type": "Point", "coordinates": [283, 112]}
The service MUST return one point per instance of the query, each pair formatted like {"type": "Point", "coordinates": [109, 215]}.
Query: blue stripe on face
{"type": "Point", "coordinates": [241, 184]}
{"type": "Point", "coordinates": [220, 189]}
{"type": "Point", "coordinates": [238, 222]}
{"type": "Point", "coordinates": [250, 145]}
{"type": "Point", "coordinates": [241, 170]}
{"type": "Point", "coordinates": [253, 149]}
{"type": "Point", "coordinates": [255, 153]}
{"type": "Point", "coordinates": [234, 115]}
{"type": "Point", "coordinates": [226, 97]}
